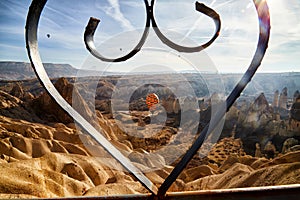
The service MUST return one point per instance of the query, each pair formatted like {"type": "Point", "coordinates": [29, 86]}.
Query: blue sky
{"type": "Point", "coordinates": [65, 21]}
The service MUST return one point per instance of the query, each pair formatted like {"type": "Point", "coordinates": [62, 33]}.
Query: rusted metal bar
{"type": "Point", "coordinates": [257, 193]}
{"type": "Point", "coordinates": [291, 192]}
{"type": "Point", "coordinates": [31, 28]}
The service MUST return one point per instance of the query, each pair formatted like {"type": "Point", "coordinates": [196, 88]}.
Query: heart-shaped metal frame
{"type": "Point", "coordinates": [32, 22]}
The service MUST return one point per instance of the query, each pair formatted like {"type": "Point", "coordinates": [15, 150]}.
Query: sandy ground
{"type": "Point", "coordinates": [50, 161]}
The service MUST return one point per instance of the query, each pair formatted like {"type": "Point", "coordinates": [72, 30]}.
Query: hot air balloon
{"type": "Point", "coordinates": [151, 100]}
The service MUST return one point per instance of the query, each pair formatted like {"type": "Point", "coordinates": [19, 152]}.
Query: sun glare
{"type": "Point", "coordinates": [275, 4]}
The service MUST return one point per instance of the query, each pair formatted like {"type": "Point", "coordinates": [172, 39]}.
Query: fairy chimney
{"type": "Point", "coordinates": [283, 99]}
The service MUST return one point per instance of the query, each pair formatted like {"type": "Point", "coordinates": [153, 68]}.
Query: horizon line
{"type": "Point", "coordinates": [181, 71]}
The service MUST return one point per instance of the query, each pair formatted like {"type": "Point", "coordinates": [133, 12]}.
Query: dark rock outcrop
{"type": "Point", "coordinates": [46, 107]}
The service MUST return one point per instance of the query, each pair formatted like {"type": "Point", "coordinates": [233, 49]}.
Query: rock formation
{"type": "Point", "coordinates": [295, 116]}
{"type": "Point", "coordinates": [253, 124]}
{"type": "Point", "coordinates": [289, 144]}
{"type": "Point", "coordinates": [51, 110]}
{"type": "Point", "coordinates": [275, 103]}
{"type": "Point", "coordinates": [296, 95]}
{"type": "Point", "coordinates": [283, 99]}
{"type": "Point", "coordinates": [259, 112]}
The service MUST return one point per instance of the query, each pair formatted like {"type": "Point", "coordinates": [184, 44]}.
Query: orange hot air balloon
{"type": "Point", "coordinates": [151, 100]}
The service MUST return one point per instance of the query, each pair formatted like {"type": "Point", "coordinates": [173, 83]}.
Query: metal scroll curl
{"type": "Point", "coordinates": [200, 7]}
{"type": "Point", "coordinates": [33, 17]}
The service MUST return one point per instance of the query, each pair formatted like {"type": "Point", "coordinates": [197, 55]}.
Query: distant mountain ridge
{"type": "Point", "coordinates": [17, 71]}
{"type": "Point", "coordinates": [23, 70]}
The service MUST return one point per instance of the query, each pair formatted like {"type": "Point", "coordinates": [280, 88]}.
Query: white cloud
{"type": "Point", "coordinates": [115, 12]}
{"type": "Point", "coordinates": [62, 15]}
